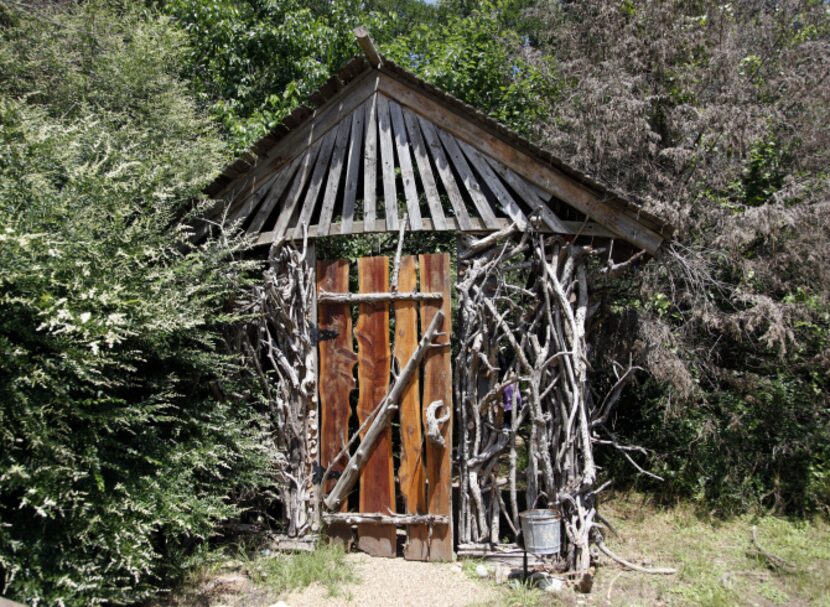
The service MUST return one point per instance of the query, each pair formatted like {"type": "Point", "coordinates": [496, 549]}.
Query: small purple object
{"type": "Point", "coordinates": [508, 397]}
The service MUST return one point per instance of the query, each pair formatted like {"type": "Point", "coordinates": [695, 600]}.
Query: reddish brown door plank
{"type": "Point", "coordinates": [336, 376]}
{"type": "Point", "coordinates": [377, 484]}
{"type": "Point", "coordinates": [411, 470]}
{"type": "Point", "coordinates": [435, 277]}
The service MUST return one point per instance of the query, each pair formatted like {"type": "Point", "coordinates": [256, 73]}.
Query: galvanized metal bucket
{"type": "Point", "coordinates": [542, 530]}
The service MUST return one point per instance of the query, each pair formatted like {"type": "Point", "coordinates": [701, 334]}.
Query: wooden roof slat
{"type": "Point", "coordinates": [467, 147]}
{"type": "Point", "coordinates": [387, 163]}
{"type": "Point", "coordinates": [320, 169]}
{"type": "Point", "coordinates": [513, 139]}
{"type": "Point", "coordinates": [480, 201]}
{"type": "Point", "coordinates": [242, 198]}
{"type": "Point", "coordinates": [353, 163]}
{"type": "Point", "coordinates": [436, 211]}
{"type": "Point", "coordinates": [335, 170]}
{"type": "Point", "coordinates": [530, 194]}
{"type": "Point", "coordinates": [260, 197]}
{"type": "Point", "coordinates": [509, 206]}
{"type": "Point", "coordinates": [318, 123]}
{"type": "Point", "coordinates": [445, 172]}
{"type": "Point", "coordinates": [549, 178]}
{"type": "Point", "coordinates": [296, 190]}
{"type": "Point", "coordinates": [413, 207]}
{"type": "Point", "coordinates": [370, 164]}
{"type": "Point", "coordinates": [283, 178]}
{"type": "Point", "coordinates": [243, 204]}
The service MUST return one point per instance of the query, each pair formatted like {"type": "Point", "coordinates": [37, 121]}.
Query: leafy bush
{"type": "Point", "coordinates": [714, 114]}
{"type": "Point", "coordinates": [119, 451]}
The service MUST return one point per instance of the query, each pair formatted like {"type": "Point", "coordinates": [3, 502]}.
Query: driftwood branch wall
{"type": "Point", "coordinates": [522, 394]}
{"type": "Point", "coordinates": [278, 346]}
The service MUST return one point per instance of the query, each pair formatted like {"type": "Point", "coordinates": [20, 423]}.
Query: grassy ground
{"type": "Point", "coordinates": [716, 562]}
{"type": "Point", "coordinates": [258, 578]}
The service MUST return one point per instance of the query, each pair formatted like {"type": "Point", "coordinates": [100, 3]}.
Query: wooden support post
{"type": "Point", "coordinates": [312, 420]}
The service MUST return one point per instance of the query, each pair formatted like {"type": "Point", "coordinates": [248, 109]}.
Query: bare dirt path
{"type": "Point", "coordinates": [400, 583]}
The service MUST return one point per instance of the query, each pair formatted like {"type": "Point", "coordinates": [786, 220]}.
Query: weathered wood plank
{"type": "Point", "coordinates": [411, 470]}
{"type": "Point", "coordinates": [283, 178]}
{"type": "Point", "coordinates": [436, 150]}
{"type": "Point", "coordinates": [530, 195]}
{"type": "Point", "coordinates": [336, 376]}
{"type": "Point", "coordinates": [505, 199]}
{"type": "Point", "coordinates": [467, 176]}
{"type": "Point", "coordinates": [387, 163]}
{"type": "Point", "coordinates": [321, 167]}
{"type": "Point", "coordinates": [338, 158]}
{"type": "Point", "coordinates": [377, 485]}
{"type": "Point", "coordinates": [353, 169]}
{"type": "Point", "coordinates": [419, 148]}
{"type": "Point", "coordinates": [589, 228]}
{"type": "Point", "coordinates": [370, 165]}
{"type": "Point", "coordinates": [542, 174]}
{"type": "Point", "coordinates": [435, 277]}
{"type": "Point", "coordinates": [297, 185]}
{"type": "Point", "coordinates": [410, 190]}
{"type": "Point", "coordinates": [250, 203]}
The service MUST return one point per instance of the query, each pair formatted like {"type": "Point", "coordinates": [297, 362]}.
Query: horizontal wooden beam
{"type": "Point", "coordinates": [583, 228]}
{"type": "Point", "coordinates": [358, 298]}
{"type": "Point", "coordinates": [371, 518]}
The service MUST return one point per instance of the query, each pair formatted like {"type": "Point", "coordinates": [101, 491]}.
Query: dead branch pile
{"type": "Point", "coordinates": [278, 347]}
{"type": "Point", "coordinates": [522, 392]}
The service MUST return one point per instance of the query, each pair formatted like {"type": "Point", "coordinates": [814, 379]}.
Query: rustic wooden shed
{"type": "Point", "coordinates": [385, 151]}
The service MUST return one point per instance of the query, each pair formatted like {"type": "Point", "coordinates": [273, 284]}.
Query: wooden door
{"type": "Point", "coordinates": [404, 471]}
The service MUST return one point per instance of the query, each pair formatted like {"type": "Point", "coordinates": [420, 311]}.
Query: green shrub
{"type": "Point", "coordinates": [118, 449]}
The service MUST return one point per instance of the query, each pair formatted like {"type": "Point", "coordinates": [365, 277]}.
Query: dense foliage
{"type": "Point", "coordinates": [716, 115]}
{"type": "Point", "coordinates": [119, 448]}
{"type": "Point", "coordinates": [117, 454]}
{"type": "Point", "coordinates": [254, 62]}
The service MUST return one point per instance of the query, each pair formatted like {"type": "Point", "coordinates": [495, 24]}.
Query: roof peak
{"type": "Point", "coordinates": [359, 79]}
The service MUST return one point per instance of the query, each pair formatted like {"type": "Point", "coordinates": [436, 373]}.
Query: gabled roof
{"type": "Point", "coordinates": [382, 142]}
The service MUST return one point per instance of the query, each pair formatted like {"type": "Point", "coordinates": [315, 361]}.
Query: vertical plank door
{"type": "Point", "coordinates": [435, 277]}
{"type": "Point", "coordinates": [411, 470]}
{"type": "Point", "coordinates": [336, 377]}
{"type": "Point", "coordinates": [377, 485]}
